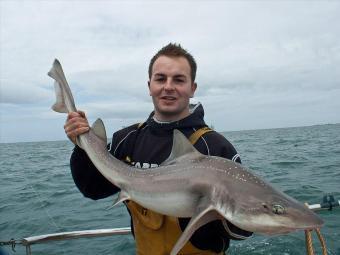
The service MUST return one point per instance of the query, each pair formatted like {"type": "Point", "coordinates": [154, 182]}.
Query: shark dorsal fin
{"type": "Point", "coordinates": [181, 147]}
{"type": "Point", "coordinates": [99, 129]}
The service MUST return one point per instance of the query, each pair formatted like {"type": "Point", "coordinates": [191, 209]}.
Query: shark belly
{"type": "Point", "coordinates": [177, 204]}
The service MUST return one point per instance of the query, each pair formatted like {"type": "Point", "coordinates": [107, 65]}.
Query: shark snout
{"type": "Point", "coordinates": [308, 220]}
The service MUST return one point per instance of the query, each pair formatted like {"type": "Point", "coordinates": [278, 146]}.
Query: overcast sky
{"type": "Point", "coordinates": [261, 64]}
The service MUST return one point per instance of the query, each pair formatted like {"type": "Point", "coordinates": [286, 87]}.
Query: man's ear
{"type": "Point", "coordinates": [149, 88]}
{"type": "Point", "coordinates": [193, 88]}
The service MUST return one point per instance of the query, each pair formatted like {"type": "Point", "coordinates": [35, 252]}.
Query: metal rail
{"type": "Point", "coordinates": [28, 241]}
{"type": "Point", "coordinates": [328, 203]}
{"type": "Point", "coordinates": [75, 234]}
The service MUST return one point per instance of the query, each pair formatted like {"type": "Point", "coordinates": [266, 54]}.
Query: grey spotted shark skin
{"type": "Point", "coordinates": [190, 184]}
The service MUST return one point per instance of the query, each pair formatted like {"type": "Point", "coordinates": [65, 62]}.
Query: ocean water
{"type": "Point", "coordinates": [38, 196]}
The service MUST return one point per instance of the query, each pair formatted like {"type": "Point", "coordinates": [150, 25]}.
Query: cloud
{"type": "Point", "coordinates": [120, 110]}
{"type": "Point", "coordinates": [254, 58]}
{"type": "Point", "coordinates": [118, 84]}
{"type": "Point", "coordinates": [23, 93]}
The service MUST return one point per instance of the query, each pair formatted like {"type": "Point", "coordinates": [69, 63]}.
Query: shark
{"type": "Point", "coordinates": [190, 184]}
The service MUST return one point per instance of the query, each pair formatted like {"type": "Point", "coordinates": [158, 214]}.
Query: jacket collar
{"type": "Point", "coordinates": [194, 119]}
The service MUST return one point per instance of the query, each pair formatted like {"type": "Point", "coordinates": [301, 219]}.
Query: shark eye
{"type": "Point", "coordinates": [278, 209]}
{"type": "Point", "coordinates": [265, 206]}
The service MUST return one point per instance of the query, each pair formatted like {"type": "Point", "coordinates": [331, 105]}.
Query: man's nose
{"type": "Point", "coordinates": [169, 85]}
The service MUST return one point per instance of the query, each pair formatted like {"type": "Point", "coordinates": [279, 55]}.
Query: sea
{"type": "Point", "coordinates": [38, 195]}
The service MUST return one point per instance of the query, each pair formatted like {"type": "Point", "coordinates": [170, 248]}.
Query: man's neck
{"type": "Point", "coordinates": [161, 121]}
{"type": "Point", "coordinates": [160, 118]}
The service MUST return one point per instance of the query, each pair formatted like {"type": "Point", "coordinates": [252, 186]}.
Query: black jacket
{"type": "Point", "coordinates": [149, 145]}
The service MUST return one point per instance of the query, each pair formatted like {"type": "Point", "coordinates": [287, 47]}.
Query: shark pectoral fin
{"type": "Point", "coordinates": [181, 147]}
{"type": "Point", "coordinates": [123, 196]}
{"type": "Point", "coordinates": [201, 218]}
{"type": "Point", "coordinates": [59, 105]}
{"type": "Point", "coordinates": [99, 129]}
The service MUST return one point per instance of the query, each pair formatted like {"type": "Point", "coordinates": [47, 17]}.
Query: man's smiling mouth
{"type": "Point", "coordinates": [171, 98]}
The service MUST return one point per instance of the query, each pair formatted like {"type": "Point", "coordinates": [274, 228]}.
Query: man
{"type": "Point", "coordinates": [171, 84]}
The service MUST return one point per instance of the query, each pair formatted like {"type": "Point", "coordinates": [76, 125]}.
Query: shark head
{"type": "Point", "coordinates": [273, 213]}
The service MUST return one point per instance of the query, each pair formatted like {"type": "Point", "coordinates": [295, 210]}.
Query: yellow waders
{"type": "Point", "coordinates": [156, 234]}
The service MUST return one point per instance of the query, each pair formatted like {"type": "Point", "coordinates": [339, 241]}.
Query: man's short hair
{"type": "Point", "coordinates": [175, 50]}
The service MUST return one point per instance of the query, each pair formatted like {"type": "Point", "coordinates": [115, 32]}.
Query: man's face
{"type": "Point", "coordinates": [171, 87]}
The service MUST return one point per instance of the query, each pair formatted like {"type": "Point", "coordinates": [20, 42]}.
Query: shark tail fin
{"type": "Point", "coordinates": [59, 105]}
{"type": "Point", "coordinates": [99, 129]}
{"type": "Point", "coordinates": [64, 99]}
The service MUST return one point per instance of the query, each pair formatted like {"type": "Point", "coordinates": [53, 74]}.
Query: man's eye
{"type": "Point", "coordinates": [179, 80]}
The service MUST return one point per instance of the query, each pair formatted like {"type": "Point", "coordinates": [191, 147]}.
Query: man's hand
{"type": "Point", "coordinates": [76, 124]}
